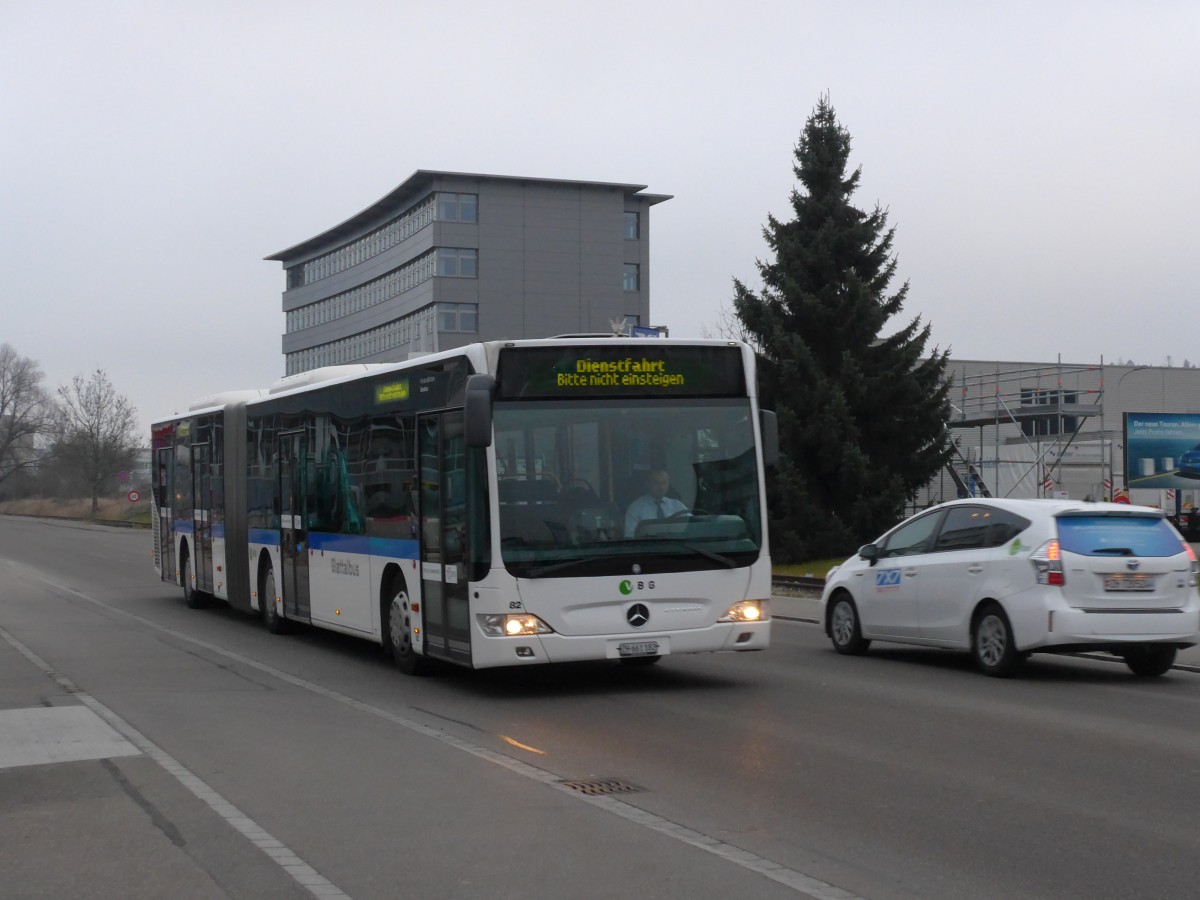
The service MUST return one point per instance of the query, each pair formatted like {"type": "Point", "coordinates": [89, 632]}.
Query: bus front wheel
{"type": "Point", "coordinates": [399, 635]}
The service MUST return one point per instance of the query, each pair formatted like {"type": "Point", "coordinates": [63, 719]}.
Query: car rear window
{"type": "Point", "coordinates": [1117, 536]}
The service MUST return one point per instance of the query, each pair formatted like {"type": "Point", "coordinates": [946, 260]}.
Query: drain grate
{"type": "Point", "coordinates": [602, 786]}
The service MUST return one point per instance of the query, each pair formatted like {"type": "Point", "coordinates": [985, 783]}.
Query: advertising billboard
{"type": "Point", "coordinates": [1162, 450]}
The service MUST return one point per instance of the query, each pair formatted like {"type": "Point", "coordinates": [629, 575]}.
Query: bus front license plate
{"type": "Point", "coordinates": [638, 648]}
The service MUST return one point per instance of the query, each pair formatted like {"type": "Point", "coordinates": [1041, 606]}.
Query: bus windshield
{"type": "Point", "coordinates": [598, 487]}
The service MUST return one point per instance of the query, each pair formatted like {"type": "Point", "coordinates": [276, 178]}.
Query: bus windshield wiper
{"type": "Point", "coordinates": [701, 551]}
{"type": "Point", "coordinates": [716, 557]}
{"type": "Point", "coordinates": [1115, 551]}
{"type": "Point", "coordinates": [562, 566]}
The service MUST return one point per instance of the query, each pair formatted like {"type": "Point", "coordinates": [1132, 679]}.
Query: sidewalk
{"type": "Point", "coordinates": [84, 811]}
{"type": "Point", "coordinates": [808, 609]}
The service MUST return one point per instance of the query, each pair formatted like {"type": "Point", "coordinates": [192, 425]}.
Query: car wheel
{"type": "Point", "coordinates": [844, 628]}
{"type": "Point", "coordinates": [1149, 660]}
{"type": "Point", "coordinates": [992, 643]}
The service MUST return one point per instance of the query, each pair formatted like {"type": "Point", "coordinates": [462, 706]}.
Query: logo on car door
{"type": "Point", "coordinates": [887, 578]}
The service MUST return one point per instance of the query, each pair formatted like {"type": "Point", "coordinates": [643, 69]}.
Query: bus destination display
{"type": "Point", "coordinates": [621, 371]}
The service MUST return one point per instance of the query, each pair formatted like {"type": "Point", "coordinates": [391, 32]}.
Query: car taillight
{"type": "Point", "coordinates": [1047, 562]}
{"type": "Point", "coordinates": [1195, 568]}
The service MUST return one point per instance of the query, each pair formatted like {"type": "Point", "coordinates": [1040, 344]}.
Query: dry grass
{"type": "Point", "coordinates": [109, 510]}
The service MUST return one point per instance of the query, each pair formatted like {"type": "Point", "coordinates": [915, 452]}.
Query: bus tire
{"type": "Point", "coordinates": [276, 623]}
{"type": "Point", "coordinates": [399, 631]}
{"type": "Point", "coordinates": [191, 597]}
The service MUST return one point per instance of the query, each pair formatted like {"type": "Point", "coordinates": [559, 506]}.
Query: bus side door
{"type": "Point", "coordinates": [202, 517]}
{"type": "Point", "coordinates": [163, 502]}
{"type": "Point", "coordinates": [442, 452]}
{"type": "Point", "coordinates": [293, 531]}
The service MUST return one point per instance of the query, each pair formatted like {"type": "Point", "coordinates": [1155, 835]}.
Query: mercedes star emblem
{"type": "Point", "coordinates": [638, 615]}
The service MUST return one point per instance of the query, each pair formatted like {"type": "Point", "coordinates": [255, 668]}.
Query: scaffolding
{"type": "Point", "coordinates": [1044, 408]}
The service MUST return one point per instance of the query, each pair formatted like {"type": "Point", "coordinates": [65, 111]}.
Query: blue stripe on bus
{"type": "Point", "coordinates": [218, 531]}
{"type": "Point", "coordinates": [264, 536]}
{"type": "Point", "coordinates": [361, 543]}
{"type": "Point", "coordinates": [345, 543]}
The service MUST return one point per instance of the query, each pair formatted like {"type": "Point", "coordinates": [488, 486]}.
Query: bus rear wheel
{"type": "Point", "coordinates": [399, 635]}
{"type": "Point", "coordinates": [276, 624]}
{"type": "Point", "coordinates": [191, 597]}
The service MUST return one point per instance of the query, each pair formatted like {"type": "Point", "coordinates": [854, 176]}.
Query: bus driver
{"type": "Point", "coordinates": [654, 504]}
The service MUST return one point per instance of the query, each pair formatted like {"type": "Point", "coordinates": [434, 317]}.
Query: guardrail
{"type": "Point", "coordinates": [795, 582]}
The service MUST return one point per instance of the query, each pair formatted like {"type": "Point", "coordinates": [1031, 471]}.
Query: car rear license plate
{"type": "Point", "coordinates": [638, 648]}
{"type": "Point", "coordinates": [1123, 582]}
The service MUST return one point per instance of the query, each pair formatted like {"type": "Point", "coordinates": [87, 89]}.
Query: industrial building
{"type": "Point", "coordinates": [1029, 429]}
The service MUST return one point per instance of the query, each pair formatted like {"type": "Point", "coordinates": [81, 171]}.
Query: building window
{"type": "Point", "coordinates": [457, 207]}
{"type": "Point", "coordinates": [373, 292]}
{"type": "Point", "coordinates": [407, 224]}
{"type": "Point", "coordinates": [632, 226]}
{"type": "Point", "coordinates": [630, 280]}
{"type": "Point", "coordinates": [455, 262]}
{"type": "Point", "coordinates": [458, 317]}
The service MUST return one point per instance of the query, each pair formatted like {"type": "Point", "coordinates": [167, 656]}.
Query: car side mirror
{"type": "Point", "coordinates": [869, 552]}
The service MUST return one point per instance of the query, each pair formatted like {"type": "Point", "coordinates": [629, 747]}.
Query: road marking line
{"type": "Point", "coordinates": [521, 746]}
{"type": "Point", "coordinates": [792, 878]}
{"type": "Point", "coordinates": [53, 734]}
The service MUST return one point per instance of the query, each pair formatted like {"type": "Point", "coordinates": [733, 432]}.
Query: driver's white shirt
{"type": "Point", "coordinates": [646, 507]}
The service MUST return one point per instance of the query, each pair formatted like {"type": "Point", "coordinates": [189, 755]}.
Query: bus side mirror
{"type": "Point", "coordinates": [477, 426]}
{"type": "Point", "coordinates": [769, 426]}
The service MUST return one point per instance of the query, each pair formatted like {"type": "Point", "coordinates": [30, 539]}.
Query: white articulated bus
{"type": "Point", "coordinates": [477, 506]}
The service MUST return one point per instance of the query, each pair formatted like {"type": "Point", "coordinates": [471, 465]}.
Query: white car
{"type": "Point", "coordinates": [1006, 578]}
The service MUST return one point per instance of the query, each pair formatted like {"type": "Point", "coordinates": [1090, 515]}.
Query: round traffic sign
{"type": "Point", "coordinates": [134, 496]}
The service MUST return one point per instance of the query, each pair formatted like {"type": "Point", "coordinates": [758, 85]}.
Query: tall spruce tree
{"type": "Point", "coordinates": [862, 416]}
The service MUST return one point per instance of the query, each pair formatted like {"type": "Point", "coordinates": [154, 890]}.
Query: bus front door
{"type": "Point", "coordinates": [441, 449]}
{"type": "Point", "coordinates": [202, 517]}
{"type": "Point", "coordinates": [164, 502]}
{"type": "Point", "coordinates": [293, 533]}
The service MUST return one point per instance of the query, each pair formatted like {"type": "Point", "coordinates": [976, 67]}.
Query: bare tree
{"type": "Point", "coordinates": [729, 327]}
{"type": "Point", "coordinates": [25, 411]}
{"type": "Point", "coordinates": [98, 431]}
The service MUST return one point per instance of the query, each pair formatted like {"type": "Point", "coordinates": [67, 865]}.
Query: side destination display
{"type": "Point", "coordinates": [543, 373]}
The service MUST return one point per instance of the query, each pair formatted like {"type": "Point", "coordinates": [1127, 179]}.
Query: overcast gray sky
{"type": "Point", "coordinates": [1040, 161]}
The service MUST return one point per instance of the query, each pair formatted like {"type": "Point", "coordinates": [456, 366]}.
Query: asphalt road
{"type": "Point", "coordinates": [228, 762]}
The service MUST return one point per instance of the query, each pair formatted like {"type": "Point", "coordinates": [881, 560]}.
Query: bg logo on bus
{"type": "Point", "coordinates": [627, 587]}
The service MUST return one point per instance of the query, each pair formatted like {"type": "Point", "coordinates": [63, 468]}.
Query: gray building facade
{"type": "Point", "coordinates": [450, 258]}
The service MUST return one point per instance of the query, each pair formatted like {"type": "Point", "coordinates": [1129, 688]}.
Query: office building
{"type": "Point", "coordinates": [450, 258]}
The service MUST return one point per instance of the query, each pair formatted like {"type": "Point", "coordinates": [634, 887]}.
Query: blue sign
{"type": "Point", "coordinates": [885, 578]}
{"type": "Point", "coordinates": [644, 331]}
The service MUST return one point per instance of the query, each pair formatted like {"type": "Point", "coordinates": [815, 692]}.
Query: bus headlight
{"type": "Point", "coordinates": [746, 611]}
{"type": "Point", "coordinates": [513, 625]}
